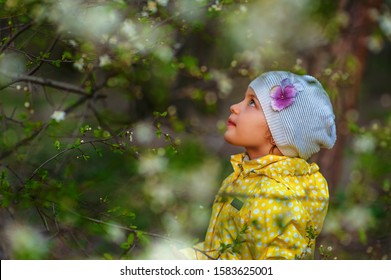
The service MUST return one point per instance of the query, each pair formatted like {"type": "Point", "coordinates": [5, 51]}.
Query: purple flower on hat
{"type": "Point", "coordinates": [284, 95]}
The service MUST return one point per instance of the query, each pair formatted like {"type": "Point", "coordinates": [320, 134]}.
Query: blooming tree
{"type": "Point", "coordinates": [110, 113]}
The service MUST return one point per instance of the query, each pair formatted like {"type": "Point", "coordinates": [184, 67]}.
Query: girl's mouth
{"type": "Point", "coordinates": [230, 123]}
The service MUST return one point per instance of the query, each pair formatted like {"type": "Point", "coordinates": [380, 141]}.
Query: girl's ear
{"type": "Point", "coordinates": [274, 150]}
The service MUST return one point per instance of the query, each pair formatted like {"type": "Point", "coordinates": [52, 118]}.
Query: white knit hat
{"type": "Point", "coordinates": [298, 111]}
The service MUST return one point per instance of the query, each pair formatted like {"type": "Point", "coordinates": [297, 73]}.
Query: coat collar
{"type": "Point", "coordinates": [271, 166]}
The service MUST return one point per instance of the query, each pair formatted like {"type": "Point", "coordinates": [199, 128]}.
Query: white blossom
{"type": "Point", "coordinates": [364, 144]}
{"type": "Point", "coordinates": [104, 60]}
{"type": "Point", "coordinates": [150, 165]}
{"type": "Point", "coordinates": [385, 23]}
{"type": "Point", "coordinates": [129, 29]}
{"type": "Point", "coordinates": [357, 217]}
{"type": "Point", "coordinates": [24, 238]}
{"type": "Point", "coordinates": [58, 116]}
{"type": "Point", "coordinates": [72, 43]}
{"type": "Point", "coordinates": [224, 83]}
{"type": "Point", "coordinates": [162, 2]}
{"type": "Point", "coordinates": [88, 21]}
{"type": "Point", "coordinates": [79, 64]}
{"type": "Point", "coordinates": [152, 6]}
{"type": "Point", "coordinates": [144, 132]}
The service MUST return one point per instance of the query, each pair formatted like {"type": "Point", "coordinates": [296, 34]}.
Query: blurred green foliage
{"type": "Point", "coordinates": [111, 115]}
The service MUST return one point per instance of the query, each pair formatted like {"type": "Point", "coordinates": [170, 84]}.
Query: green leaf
{"type": "Point", "coordinates": [107, 256]}
{"type": "Point", "coordinates": [44, 55]}
{"type": "Point", "coordinates": [106, 134]}
{"type": "Point", "coordinates": [43, 174]}
{"type": "Point", "coordinates": [77, 143]}
{"type": "Point", "coordinates": [84, 129]}
{"type": "Point", "coordinates": [362, 236]}
{"type": "Point", "coordinates": [158, 131]}
{"type": "Point", "coordinates": [98, 133]}
{"type": "Point", "coordinates": [57, 145]}
{"type": "Point", "coordinates": [57, 63]}
{"type": "Point", "coordinates": [99, 152]}
{"type": "Point", "coordinates": [86, 157]}
{"type": "Point", "coordinates": [158, 114]}
{"type": "Point", "coordinates": [10, 137]}
{"type": "Point", "coordinates": [142, 237]}
{"type": "Point", "coordinates": [130, 238]}
{"type": "Point", "coordinates": [66, 55]}
{"type": "Point", "coordinates": [125, 245]}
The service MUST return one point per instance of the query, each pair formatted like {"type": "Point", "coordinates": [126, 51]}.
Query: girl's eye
{"type": "Point", "coordinates": [252, 103]}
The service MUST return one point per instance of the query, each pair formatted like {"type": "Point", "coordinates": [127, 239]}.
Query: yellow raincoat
{"type": "Point", "coordinates": [268, 208]}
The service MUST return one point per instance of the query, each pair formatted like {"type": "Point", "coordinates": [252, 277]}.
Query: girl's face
{"type": "Point", "coordinates": [247, 126]}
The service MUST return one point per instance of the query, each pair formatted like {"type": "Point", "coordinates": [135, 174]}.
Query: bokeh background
{"type": "Point", "coordinates": [112, 115]}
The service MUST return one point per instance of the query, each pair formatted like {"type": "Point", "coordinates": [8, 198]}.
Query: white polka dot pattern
{"type": "Point", "coordinates": [282, 198]}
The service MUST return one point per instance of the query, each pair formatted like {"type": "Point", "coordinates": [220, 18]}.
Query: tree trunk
{"type": "Point", "coordinates": [348, 53]}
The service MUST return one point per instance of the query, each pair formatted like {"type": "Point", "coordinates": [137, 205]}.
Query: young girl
{"type": "Point", "coordinates": [274, 203]}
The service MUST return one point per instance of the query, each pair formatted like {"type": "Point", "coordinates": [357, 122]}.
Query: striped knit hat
{"type": "Point", "coordinates": [298, 111]}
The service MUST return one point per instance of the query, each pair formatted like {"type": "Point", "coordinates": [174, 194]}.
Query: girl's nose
{"type": "Point", "coordinates": [235, 108]}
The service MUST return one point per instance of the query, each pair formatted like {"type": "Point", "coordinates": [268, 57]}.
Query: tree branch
{"type": "Point", "coordinates": [50, 48]}
{"type": "Point", "coordinates": [20, 31]}
{"type": "Point", "coordinates": [64, 151]}
{"type": "Point", "coordinates": [128, 229]}
{"type": "Point", "coordinates": [45, 82]}
{"type": "Point", "coordinates": [23, 142]}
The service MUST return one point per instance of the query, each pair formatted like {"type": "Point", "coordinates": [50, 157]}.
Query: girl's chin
{"type": "Point", "coordinates": [227, 136]}
{"type": "Point", "coordinates": [229, 139]}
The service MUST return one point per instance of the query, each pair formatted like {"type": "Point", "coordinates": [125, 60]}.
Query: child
{"type": "Point", "coordinates": [274, 203]}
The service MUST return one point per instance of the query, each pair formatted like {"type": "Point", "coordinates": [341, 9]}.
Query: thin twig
{"type": "Point", "coordinates": [45, 82]}
{"type": "Point", "coordinates": [20, 31]}
{"type": "Point", "coordinates": [6, 153]}
{"type": "Point", "coordinates": [14, 173]}
{"type": "Point", "coordinates": [43, 218]}
{"type": "Point", "coordinates": [50, 48]}
{"type": "Point", "coordinates": [47, 161]}
{"type": "Point", "coordinates": [126, 228]}
{"type": "Point", "coordinates": [78, 244]}
{"type": "Point", "coordinates": [64, 151]}
{"type": "Point", "coordinates": [32, 57]}
{"type": "Point", "coordinates": [55, 217]}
